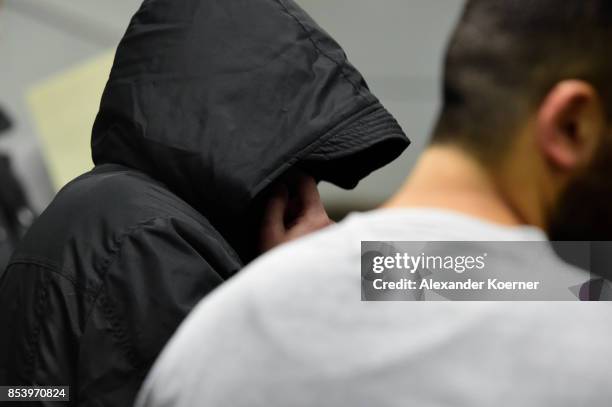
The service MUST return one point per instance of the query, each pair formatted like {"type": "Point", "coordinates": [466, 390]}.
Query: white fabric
{"type": "Point", "coordinates": [291, 330]}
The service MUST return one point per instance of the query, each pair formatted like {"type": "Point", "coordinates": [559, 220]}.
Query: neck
{"type": "Point", "coordinates": [448, 178]}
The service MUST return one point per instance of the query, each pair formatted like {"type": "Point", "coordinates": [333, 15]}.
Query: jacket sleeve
{"type": "Point", "coordinates": [102, 341]}
{"type": "Point", "coordinates": [39, 314]}
{"type": "Point", "coordinates": [157, 274]}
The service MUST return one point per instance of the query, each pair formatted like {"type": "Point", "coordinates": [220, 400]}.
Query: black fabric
{"type": "Point", "coordinates": [207, 104]}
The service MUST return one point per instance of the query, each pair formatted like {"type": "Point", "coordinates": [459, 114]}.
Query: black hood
{"type": "Point", "coordinates": [218, 98]}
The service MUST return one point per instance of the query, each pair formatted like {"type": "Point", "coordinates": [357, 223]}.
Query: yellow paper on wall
{"type": "Point", "coordinates": [64, 108]}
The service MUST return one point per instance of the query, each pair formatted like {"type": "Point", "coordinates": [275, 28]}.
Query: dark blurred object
{"type": "Point", "coordinates": [15, 213]}
{"type": "Point", "coordinates": [5, 122]}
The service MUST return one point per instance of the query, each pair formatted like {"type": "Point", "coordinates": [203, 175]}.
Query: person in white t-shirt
{"type": "Point", "coordinates": [522, 151]}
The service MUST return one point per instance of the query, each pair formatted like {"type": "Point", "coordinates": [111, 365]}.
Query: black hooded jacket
{"type": "Point", "coordinates": [207, 104]}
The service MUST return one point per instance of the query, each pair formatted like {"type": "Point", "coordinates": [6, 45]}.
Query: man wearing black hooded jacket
{"type": "Point", "coordinates": [208, 105]}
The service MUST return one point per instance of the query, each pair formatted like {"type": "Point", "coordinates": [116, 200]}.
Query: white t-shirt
{"type": "Point", "coordinates": [291, 330]}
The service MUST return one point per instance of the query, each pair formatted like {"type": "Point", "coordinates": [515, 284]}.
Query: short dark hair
{"type": "Point", "coordinates": [506, 55]}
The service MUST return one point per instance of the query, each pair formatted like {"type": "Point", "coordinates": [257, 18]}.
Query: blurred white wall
{"type": "Point", "coordinates": [39, 39]}
{"type": "Point", "coordinates": [396, 44]}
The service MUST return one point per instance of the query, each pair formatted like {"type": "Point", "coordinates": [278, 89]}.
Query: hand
{"type": "Point", "coordinates": [292, 212]}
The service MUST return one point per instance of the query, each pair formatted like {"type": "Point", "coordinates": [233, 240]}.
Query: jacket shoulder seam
{"type": "Point", "coordinates": [105, 302]}
{"type": "Point", "coordinates": [33, 349]}
{"type": "Point", "coordinates": [55, 269]}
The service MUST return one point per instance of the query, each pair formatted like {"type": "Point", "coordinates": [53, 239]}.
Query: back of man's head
{"type": "Point", "coordinates": [506, 55]}
{"type": "Point", "coordinates": [527, 94]}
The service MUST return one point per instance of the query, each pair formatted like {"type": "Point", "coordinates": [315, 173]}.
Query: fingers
{"type": "Point", "coordinates": [312, 216]}
{"type": "Point", "coordinates": [291, 216]}
{"type": "Point", "coordinates": [273, 225]}
{"type": "Point", "coordinates": [308, 195]}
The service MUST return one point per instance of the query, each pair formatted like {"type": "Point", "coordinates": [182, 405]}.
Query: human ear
{"type": "Point", "coordinates": [569, 125]}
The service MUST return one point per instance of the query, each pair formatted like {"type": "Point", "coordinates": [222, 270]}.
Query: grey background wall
{"type": "Point", "coordinates": [396, 44]}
